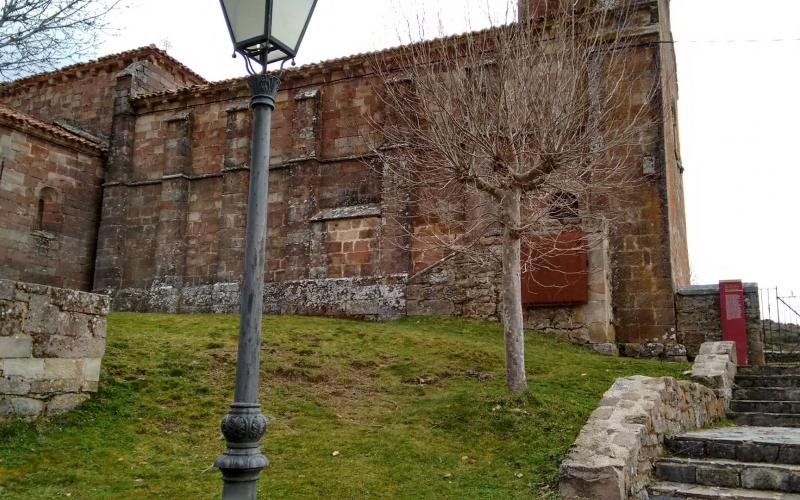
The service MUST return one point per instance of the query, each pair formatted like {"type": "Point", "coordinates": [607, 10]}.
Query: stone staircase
{"type": "Point", "coordinates": [758, 459]}
{"type": "Point", "coordinates": [768, 397]}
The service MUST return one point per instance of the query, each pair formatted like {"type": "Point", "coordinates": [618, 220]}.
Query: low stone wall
{"type": "Point", "coordinates": [698, 319]}
{"type": "Point", "coordinates": [612, 456]}
{"type": "Point", "coordinates": [715, 367]}
{"type": "Point", "coordinates": [52, 342]}
{"type": "Point", "coordinates": [363, 298]}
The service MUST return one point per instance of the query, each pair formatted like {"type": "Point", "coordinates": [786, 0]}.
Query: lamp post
{"type": "Point", "coordinates": [264, 32]}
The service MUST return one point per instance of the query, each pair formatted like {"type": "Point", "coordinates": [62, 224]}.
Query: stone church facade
{"type": "Point", "coordinates": [128, 175]}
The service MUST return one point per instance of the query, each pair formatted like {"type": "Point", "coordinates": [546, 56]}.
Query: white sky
{"type": "Point", "coordinates": [739, 106]}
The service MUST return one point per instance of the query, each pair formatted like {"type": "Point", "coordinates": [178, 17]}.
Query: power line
{"type": "Point", "coordinates": [730, 41]}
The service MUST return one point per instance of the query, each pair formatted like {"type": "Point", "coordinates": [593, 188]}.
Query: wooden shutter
{"type": "Point", "coordinates": [558, 271]}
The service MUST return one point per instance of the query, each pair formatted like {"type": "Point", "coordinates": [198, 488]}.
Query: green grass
{"type": "Point", "coordinates": [330, 385]}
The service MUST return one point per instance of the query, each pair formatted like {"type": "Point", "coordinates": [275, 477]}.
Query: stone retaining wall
{"type": "Point", "coordinates": [612, 457]}
{"type": "Point", "coordinates": [380, 298]}
{"type": "Point", "coordinates": [698, 319]}
{"type": "Point", "coordinates": [52, 342]}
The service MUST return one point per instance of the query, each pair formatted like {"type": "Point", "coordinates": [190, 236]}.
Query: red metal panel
{"type": "Point", "coordinates": [732, 316]}
{"type": "Point", "coordinates": [558, 272]}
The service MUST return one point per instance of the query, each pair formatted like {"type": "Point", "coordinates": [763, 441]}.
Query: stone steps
{"type": "Point", "coordinates": [745, 406]}
{"type": "Point", "coordinates": [783, 357]}
{"type": "Point", "coordinates": [760, 460]}
{"type": "Point", "coordinates": [730, 474]}
{"type": "Point", "coordinates": [772, 369]}
{"type": "Point", "coordinates": [767, 393]}
{"type": "Point", "coordinates": [768, 381]}
{"type": "Point", "coordinates": [758, 419]}
{"type": "Point", "coordinates": [775, 445]}
{"type": "Point", "coordinates": [675, 491]}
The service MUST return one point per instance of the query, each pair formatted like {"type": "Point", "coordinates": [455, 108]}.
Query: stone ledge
{"type": "Point", "coordinates": [373, 298]}
{"type": "Point", "coordinates": [715, 367]}
{"type": "Point", "coordinates": [353, 212]}
{"type": "Point", "coordinates": [712, 289]}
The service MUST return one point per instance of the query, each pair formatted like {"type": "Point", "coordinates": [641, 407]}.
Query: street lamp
{"type": "Point", "coordinates": [264, 32]}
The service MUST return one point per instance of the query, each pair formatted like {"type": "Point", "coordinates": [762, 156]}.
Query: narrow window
{"type": "Point", "coordinates": [48, 212]}
{"type": "Point", "coordinates": [564, 206]}
{"type": "Point", "coordinates": [40, 216]}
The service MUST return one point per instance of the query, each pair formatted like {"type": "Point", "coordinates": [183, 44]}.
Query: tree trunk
{"type": "Point", "coordinates": [512, 296]}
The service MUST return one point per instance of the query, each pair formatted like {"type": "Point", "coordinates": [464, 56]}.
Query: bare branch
{"type": "Point", "coordinates": [490, 137]}
{"type": "Point", "coordinates": [39, 35]}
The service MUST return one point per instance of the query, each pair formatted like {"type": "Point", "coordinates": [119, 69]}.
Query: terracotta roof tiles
{"type": "Point", "coordinates": [73, 68]}
{"type": "Point", "coordinates": [29, 122]}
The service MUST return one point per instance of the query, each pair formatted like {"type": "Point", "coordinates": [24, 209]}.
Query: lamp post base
{"type": "Point", "coordinates": [242, 461]}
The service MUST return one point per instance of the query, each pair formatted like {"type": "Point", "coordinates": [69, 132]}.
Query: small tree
{"type": "Point", "coordinates": [38, 35]}
{"type": "Point", "coordinates": [502, 140]}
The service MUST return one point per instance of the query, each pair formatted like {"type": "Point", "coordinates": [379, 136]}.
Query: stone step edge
{"type": "Point", "coordinates": [762, 401]}
{"type": "Point", "coordinates": [770, 397]}
{"type": "Point", "coordinates": [792, 470]}
{"type": "Point", "coordinates": [701, 447]}
{"type": "Point", "coordinates": [758, 413]}
{"type": "Point", "coordinates": [725, 462]}
{"type": "Point", "coordinates": [669, 490]}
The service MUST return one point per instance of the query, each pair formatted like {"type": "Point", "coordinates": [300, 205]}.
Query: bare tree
{"type": "Point", "coordinates": [503, 141]}
{"type": "Point", "coordinates": [38, 35]}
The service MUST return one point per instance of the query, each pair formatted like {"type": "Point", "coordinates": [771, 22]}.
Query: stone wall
{"type": "Point", "coordinates": [52, 342]}
{"type": "Point", "coordinates": [698, 319]}
{"type": "Point", "coordinates": [364, 298]}
{"type": "Point", "coordinates": [50, 191]}
{"type": "Point", "coordinates": [612, 456]}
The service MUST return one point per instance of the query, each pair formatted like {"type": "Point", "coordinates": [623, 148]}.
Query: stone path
{"type": "Point", "coordinates": [756, 461]}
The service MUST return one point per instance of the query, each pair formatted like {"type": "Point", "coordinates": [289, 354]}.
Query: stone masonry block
{"type": "Point", "coordinates": [42, 317]}
{"type": "Point", "coordinates": [6, 290]}
{"type": "Point", "coordinates": [26, 291]}
{"type": "Point", "coordinates": [21, 407]}
{"type": "Point", "coordinates": [75, 325]}
{"type": "Point", "coordinates": [12, 317]}
{"type": "Point", "coordinates": [19, 346]}
{"type": "Point", "coordinates": [579, 484]}
{"type": "Point", "coordinates": [59, 346]}
{"type": "Point", "coordinates": [63, 369]}
{"type": "Point", "coordinates": [726, 348]}
{"type": "Point", "coordinates": [64, 403]}
{"type": "Point", "coordinates": [14, 386]}
{"type": "Point", "coordinates": [90, 386]}
{"type": "Point", "coordinates": [91, 370]}
{"type": "Point", "coordinates": [81, 302]}
{"type": "Point", "coordinates": [56, 386]}
{"type": "Point", "coordinates": [30, 368]}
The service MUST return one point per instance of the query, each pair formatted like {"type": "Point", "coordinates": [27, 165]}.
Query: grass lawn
{"type": "Point", "coordinates": [392, 398]}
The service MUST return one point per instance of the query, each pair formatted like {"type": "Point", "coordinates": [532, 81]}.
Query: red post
{"type": "Point", "coordinates": [732, 317]}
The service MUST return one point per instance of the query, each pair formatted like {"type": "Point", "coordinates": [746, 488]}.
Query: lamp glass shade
{"type": "Point", "coordinates": [268, 30]}
{"type": "Point", "coordinates": [289, 20]}
{"type": "Point", "coordinates": [246, 19]}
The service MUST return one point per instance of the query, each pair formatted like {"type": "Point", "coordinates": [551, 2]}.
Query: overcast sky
{"type": "Point", "coordinates": [739, 77]}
